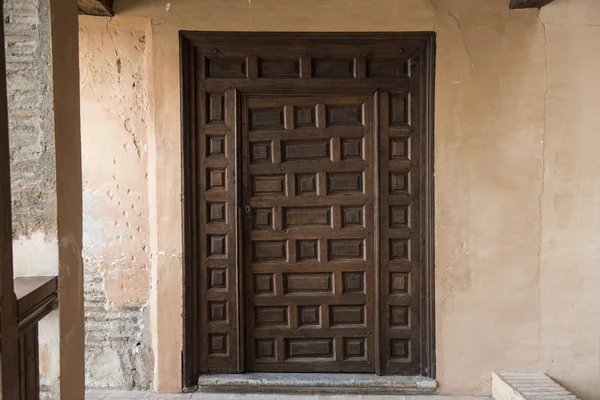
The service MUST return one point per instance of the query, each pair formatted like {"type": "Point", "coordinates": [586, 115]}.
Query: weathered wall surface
{"type": "Point", "coordinates": [27, 28]}
{"type": "Point", "coordinates": [517, 182]}
{"type": "Point", "coordinates": [33, 174]}
{"type": "Point", "coordinates": [114, 113]}
{"type": "Point", "coordinates": [570, 213]}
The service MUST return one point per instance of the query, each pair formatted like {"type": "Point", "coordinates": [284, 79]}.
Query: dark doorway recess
{"type": "Point", "coordinates": [308, 202]}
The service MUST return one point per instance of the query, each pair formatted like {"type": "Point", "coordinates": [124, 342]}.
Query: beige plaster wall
{"type": "Point", "coordinates": [516, 189]}
{"type": "Point", "coordinates": [114, 117]}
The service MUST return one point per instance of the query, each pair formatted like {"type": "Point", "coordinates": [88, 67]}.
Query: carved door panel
{"type": "Point", "coordinates": [308, 191]}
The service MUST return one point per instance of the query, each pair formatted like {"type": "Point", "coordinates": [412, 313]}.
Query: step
{"type": "Point", "coordinates": [316, 383]}
{"type": "Point", "coordinates": [527, 386]}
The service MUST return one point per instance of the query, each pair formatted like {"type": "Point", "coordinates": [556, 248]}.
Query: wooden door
{"type": "Point", "coordinates": [308, 201]}
{"type": "Point", "coordinates": [308, 197]}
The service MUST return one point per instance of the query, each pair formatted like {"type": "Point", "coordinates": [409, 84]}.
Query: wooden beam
{"type": "Point", "coordinates": [515, 4]}
{"type": "Point", "coordinates": [101, 8]}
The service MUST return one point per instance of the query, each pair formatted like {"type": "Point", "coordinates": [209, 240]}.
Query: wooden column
{"type": "Point", "coordinates": [65, 78]}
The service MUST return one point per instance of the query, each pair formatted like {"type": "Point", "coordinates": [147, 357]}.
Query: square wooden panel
{"type": "Point", "coordinates": [333, 68]}
{"type": "Point", "coordinates": [265, 251]}
{"type": "Point", "coordinates": [263, 283]}
{"type": "Point", "coordinates": [306, 184]}
{"type": "Point", "coordinates": [215, 179]}
{"type": "Point", "coordinates": [266, 119]}
{"type": "Point", "coordinates": [344, 183]}
{"type": "Point", "coordinates": [216, 107]}
{"type": "Point", "coordinates": [217, 311]}
{"type": "Point", "coordinates": [399, 283]}
{"type": "Point", "coordinates": [399, 316]}
{"type": "Point", "coordinates": [309, 315]}
{"type": "Point", "coordinates": [399, 183]}
{"type": "Point", "coordinates": [306, 217]}
{"type": "Point", "coordinates": [279, 68]}
{"type": "Point", "coordinates": [305, 150]}
{"type": "Point", "coordinates": [399, 249]}
{"type": "Point", "coordinates": [353, 282]}
{"type": "Point", "coordinates": [262, 219]}
{"type": "Point", "coordinates": [346, 249]}
{"type": "Point", "coordinates": [215, 146]}
{"type": "Point", "coordinates": [305, 117]}
{"type": "Point", "coordinates": [226, 67]}
{"type": "Point", "coordinates": [308, 250]}
{"type": "Point", "coordinates": [309, 348]}
{"type": "Point", "coordinates": [386, 68]}
{"type": "Point", "coordinates": [399, 216]}
{"type": "Point", "coordinates": [216, 212]}
{"type": "Point", "coordinates": [260, 152]}
{"type": "Point", "coordinates": [352, 149]}
{"type": "Point", "coordinates": [271, 316]}
{"type": "Point", "coordinates": [347, 115]}
{"type": "Point", "coordinates": [217, 344]}
{"type": "Point", "coordinates": [347, 315]}
{"type": "Point", "coordinates": [217, 246]}
{"type": "Point", "coordinates": [400, 109]}
{"type": "Point", "coordinates": [264, 349]}
{"type": "Point", "coordinates": [355, 348]}
{"type": "Point", "coordinates": [400, 349]}
{"type": "Point", "coordinates": [217, 278]}
{"type": "Point", "coordinates": [269, 185]}
{"type": "Point", "coordinates": [400, 149]}
{"type": "Point", "coordinates": [307, 283]}
{"type": "Point", "coordinates": [352, 217]}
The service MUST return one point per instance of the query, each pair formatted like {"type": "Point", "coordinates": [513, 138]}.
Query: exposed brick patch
{"type": "Point", "coordinates": [31, 122]}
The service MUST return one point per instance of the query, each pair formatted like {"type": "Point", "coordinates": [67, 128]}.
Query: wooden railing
{"type": "Point", "coordinates": [36, 297]}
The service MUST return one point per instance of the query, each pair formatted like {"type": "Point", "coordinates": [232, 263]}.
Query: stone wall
{"type": "Point", "coordinates": [114, 113]}
{"type": "Point", "coordinates": [27, 30]}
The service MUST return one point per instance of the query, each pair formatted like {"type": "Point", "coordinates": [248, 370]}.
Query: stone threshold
{"type": "Point", "coordinates": [316, 383]}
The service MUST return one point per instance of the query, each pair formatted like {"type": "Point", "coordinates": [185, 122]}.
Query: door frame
{"type": "Point", "coordinates": [192, 340]}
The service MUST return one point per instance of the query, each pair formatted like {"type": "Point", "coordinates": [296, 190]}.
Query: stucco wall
{"type": "Point", "coordinates": [517, 108]}
{"type": "Point", "coordinates": [114, 115]}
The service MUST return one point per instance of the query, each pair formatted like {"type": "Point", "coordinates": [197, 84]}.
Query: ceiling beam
{"type": "Point", "coordinates": [515, 4]}
{"type": "Point", "coordinates": [103, 8]}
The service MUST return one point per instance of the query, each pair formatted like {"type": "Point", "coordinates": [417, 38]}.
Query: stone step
{"type": "Point", "coordinates": [527, 386]}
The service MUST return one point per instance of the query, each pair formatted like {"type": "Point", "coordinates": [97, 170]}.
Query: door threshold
{"type": "Point", "coordinates": [316, 383]}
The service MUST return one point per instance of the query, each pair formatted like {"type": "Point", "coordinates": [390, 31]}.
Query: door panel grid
{"type": "Point", "coordinates": [308, 259]}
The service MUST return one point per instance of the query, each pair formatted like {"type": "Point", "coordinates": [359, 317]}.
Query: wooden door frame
{"type": "Point", "coordinates": [190, 210]}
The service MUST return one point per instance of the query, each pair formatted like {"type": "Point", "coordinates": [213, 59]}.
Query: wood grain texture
{"type": "Point", "coordinates": [324, 156]}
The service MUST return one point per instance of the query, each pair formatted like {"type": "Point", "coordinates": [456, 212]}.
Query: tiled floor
{"type": "Point", "coordinates": [101, 395]}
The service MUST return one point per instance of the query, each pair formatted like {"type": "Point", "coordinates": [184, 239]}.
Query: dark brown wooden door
{"type": "Point", "coordinates": [308, 193]}
{"type": "Point", "coordinates": [308, 197]}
